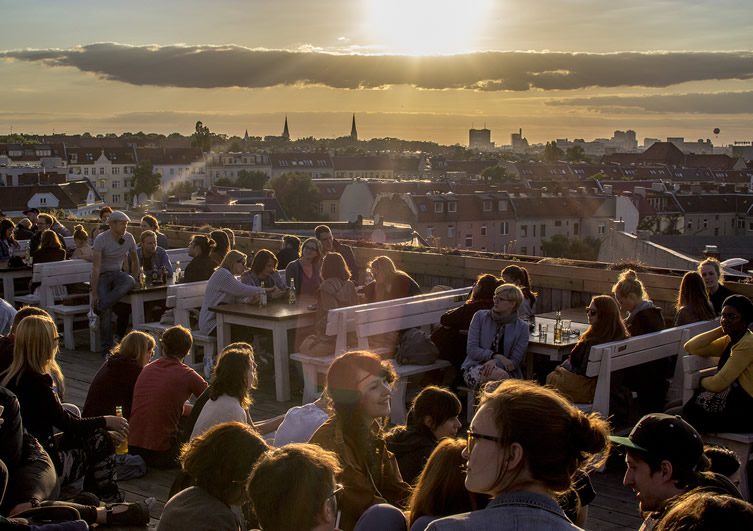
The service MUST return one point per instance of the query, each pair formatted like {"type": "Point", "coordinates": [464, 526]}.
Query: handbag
{"type": "Point", "coordinates": [711, 402]}
{"type": "Point", "coordinates": [578, 388]}
{"type": "Point", "coordinates": [416, 348]}
{"type": "Point", "coordinates": [317, 346]}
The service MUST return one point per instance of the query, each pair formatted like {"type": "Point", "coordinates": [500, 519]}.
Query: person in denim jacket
{"type": "Point", "coordinates": [524, 445]}
{"type": "Point", "coordinates": [497, 340]}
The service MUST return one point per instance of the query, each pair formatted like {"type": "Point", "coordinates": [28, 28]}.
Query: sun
{"type": "Point", "coordinates": [425, 27]}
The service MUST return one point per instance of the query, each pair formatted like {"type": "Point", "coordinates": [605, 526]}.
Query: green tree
{"type": "Point", "coordinates": [251, 179]}
{"type": "Point", "coordinates": [575, 154]}
{"type": "Point", "coordinates": [497, 174]}
{"type": "Point", "coordinates": [202, 137]}
{"type": "Point", "coordinates": [297, 194]}
{"type": "Point", "coordinates": [224, 181]}
{"type": "Point", "coordinates": [144, 179]}
{"type": "Point", "coordinates": [552, 153]}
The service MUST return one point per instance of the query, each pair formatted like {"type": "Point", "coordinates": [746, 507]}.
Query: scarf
{"type": "Point", "coordinates": [501, 320]}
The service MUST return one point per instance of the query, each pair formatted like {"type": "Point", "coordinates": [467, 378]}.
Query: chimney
{"type": "Point", "coordinates": [711, 251]}
{"type": "Point", "coordinates": [640, 190]}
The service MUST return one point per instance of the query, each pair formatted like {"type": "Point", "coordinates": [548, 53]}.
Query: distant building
{"type": "Point", "coordinates": [230, 165]}
{"type": "Point", "coordinates": [519, 143]}
{"type": "Point", "coordinates": [177, 165]}
{"type": "Point", "coordinates": [480, 139]}
{"type": "Point", "coordinates": [110, 169]}
{"type": "Point", "coordinates": [76, 198]}
{"type": "Point", "coordinates": [353, 130]}
{"type": "Point", "coordinates": [316, 165]}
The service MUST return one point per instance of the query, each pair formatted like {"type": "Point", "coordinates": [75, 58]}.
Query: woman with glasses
{"type": "Point", "coordinates": [725, 400]}
{"type": "Point", "coordinates": [497, 340]}
{"type": "Point", "coordinates": [604, 325]}
{"type": "Point", "coordinates": [693, 303]}
{"type": "Point", "coordinates": [86, 448]}
{"type": "Point", "coordinates": [359, 385]}
{"type": "Point", "coordinates": [525, 444]}
{"type": "Point", "coordinates": [224, 288]}
{"type": "Point", "coordinates": [113, 384]}
{"type": "Point", "coordinates": [218, 461]}
{"type": "Point", "coordinates": [306, 270]}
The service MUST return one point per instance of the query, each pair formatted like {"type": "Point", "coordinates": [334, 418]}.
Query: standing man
{"type": "Point", "coordinates": [329, 244]}
{"type": "Point", "coordinates": [664, 457]}
{"type": "Point", "coordinates": [109, 283]}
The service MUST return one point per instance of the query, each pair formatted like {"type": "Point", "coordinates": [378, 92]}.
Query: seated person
{"type": "Point", "coordinates": [113, 384]}
{"type": "Point", "coordinates": [201, 265]}
{"type": "Point", "coordinates": [51, 248]}
{"type": "Point", "coordinates": [7, 342]}
{"type": "Point", "coordinates": [83, 249]}
{"type": "Point", "coordinates": [432, 417]}
{"type": "Point", "coordinates": [159, 399]}
{"type": "Point", "coordinates": [389, 282]}
{"type": "Point", "coordinates": [318, 497]}
{"type": "Point", "coordinates": [150, 223]}
{"type": "Point", "coordinates": [263, 273]}
{"type": "Point", "coordinates": [152, 258]}
{"type": "Point", "coordinates": [497, 340]}
{"type": "Point", "coordinates": [218, 461]}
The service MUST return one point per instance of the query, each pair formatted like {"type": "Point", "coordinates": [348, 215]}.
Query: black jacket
{"type": "Point", "coordinates": [198, 269]}
{"type": "Point", "coordinates": [412, 448]}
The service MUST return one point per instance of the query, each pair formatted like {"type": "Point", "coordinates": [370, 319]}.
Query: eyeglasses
{"type": "Point", "coordinates": [336, 493]}
{"type": "Point", "coordinates": [591, 312]}
{"type": "Point", "coordinates": [472, 436]}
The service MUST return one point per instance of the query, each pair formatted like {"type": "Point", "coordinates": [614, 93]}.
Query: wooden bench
{"type": "Point", "coordinates": [373, 319]}
{"type": "Point", "coordinates": [182, 299]}
{"type": "Point", "coordinates": [696, 368]}
{"type": "Point", "coordinates": [53, 277]}
{"type": "Point", "coordinates": [178, 255]}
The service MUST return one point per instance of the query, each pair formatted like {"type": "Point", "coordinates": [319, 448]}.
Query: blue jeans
{"type": "Point", "coordinates": [382, 517]}
{"type": "Point", "coordinates": [111, 287]}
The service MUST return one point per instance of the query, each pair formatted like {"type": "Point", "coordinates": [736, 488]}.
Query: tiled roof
{"type": "Point", "coordinates": [577, 206]}
{"type": "Point", "coordinates": [31, 152]}
{"type": "Point", "coordinates": [733, 176]}
{"type": "Point", "coordinates": [171, 156]}
{"type": "Point", "coordinates": [293, 161]}
{"type": "Point", "coordinates": [363, 163]}
{"type": "Point", "coordinates": [116, 155]}
{"type": "Point", "coordinates": [716, 161]}
{"type": "Point", "coordinates": [715, 203]}
{"type": "Point", "coordinates": [70, 195]}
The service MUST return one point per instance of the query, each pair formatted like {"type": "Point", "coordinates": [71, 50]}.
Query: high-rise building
{"type": "Point", "coordinates": [480, 139]}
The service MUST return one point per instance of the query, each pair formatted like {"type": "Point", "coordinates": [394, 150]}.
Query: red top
{"type": "Point", "coordinates": [161, 389]}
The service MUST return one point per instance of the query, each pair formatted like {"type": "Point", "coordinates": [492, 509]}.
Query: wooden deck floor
{"type": "Point", "coordinates": [614, 508]}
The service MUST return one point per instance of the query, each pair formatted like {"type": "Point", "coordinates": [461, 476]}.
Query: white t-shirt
{"type": "Point", "coordinates": [224, 409]}
{"type": "Point", "coordinates": [299, 424]}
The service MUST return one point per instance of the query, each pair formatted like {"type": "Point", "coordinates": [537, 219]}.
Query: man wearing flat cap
{"type": "Point", "coordinates": [664, 457]}
{"type": "Point", "coordinates": [109, 283]}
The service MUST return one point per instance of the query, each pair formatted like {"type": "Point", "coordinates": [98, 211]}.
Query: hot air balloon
{"type": "Point", "coordinates": [716, 130]}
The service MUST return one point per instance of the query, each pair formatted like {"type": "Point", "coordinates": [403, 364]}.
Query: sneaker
{"type": "Point", "coordinates": [93, 320]}
{"type": "Point", "coordinates": [135, 514]}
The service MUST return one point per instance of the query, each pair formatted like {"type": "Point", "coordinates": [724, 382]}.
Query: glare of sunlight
{"type": "Point", "coordinates": [425, 27]}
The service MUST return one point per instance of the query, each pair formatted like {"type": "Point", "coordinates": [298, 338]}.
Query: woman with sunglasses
{"type": "Point", "coordinates": [306, 270]}
{"type": "Point", "coordinates": [497, 340]}
{"type": "Point", "coordinates": [604, 325]}
{"type": "Point", "coordinates": [525, 444]}
{"type": "Point", "coordinates": [724, 401]}
{"type": "Point", "coordinates": [218, 461]}
{"type": "Point", "coordinates": [224, 288]}
{"type": "Point", "coordinates": [359, 385]}
{"type": "Point", "coordinates": [86, 448]}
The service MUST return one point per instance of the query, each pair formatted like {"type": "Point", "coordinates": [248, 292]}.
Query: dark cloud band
{"type": "Point", "coordinates": [236, 66]}
{"type": "Point", "coordinates": [700, 103]}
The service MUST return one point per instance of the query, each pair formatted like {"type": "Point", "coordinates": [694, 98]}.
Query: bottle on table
{"type": "Point", "coordinates": [142, 277]}
{"type": "Point", "coordinates": [178, 274]}
{"type": "Point", "coordinates": [291, 292]}
{"type": "Point", "coordinates": [558, 327]}
{"type": "Point", "coordinates": [122, 447]}
{"type": "Point", "coordinates": [262, 295]}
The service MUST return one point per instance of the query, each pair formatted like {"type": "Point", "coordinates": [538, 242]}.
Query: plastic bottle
{"type": "Point", "coordinates": [122, 447]}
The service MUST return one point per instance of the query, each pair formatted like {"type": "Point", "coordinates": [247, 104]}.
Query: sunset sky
{"type": "Point", "coordinates": [414, 69]}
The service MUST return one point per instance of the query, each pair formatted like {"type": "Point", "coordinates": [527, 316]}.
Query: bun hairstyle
{"type": "Point", "coordinates": [627, 284]}
{"type": "Point", "coordinates": [79, 233]}
{"type": "Point", "coordinates": [557, 438]}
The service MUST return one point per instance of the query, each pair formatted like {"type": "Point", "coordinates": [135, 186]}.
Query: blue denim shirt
{"type": "Point", "coordinates": [511, 511]}
{"type": "Point", "coordinates": [481, 334]}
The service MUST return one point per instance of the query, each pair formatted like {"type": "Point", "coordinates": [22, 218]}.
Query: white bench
{"type": "Point", "coordinates": [23, 245]}
{"type": "Point", "coordinates": [178, 255]}
{"type": "Point", "coordinates": [607, 358]}
{"type": "Point", "coordinates": [53, 277]}
{"type": "Point", "coordinates": [182, 299]}
{"type": "Point", "coordinates": [373, 319]}
{"type": "Point", "coordinates": [696, 368]}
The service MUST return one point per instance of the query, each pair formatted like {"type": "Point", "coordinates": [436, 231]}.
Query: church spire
{"type": "Point", "coordinates": [353, 131]}
{"type": "Point", "coordinates": [285, 131]}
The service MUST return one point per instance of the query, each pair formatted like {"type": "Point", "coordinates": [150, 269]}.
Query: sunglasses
{"type": "Point", "coordinates": [473, 436]}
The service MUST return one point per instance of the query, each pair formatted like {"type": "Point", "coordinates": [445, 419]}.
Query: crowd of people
{"type": "Point", "coordinates": [524, 463]}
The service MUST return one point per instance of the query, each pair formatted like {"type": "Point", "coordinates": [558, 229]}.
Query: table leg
{"type": "Point", "coordinates": [223, 332]}
{"type": "Point", "coordinates": [9, 292]}
{"type": "Point", "coordinates": [137, 311]}
{"type": "Point", "coordinates": [282, 370]}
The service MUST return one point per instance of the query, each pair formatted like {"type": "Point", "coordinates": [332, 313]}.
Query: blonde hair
{"type": "Point", "coordinates": [232, 257]}
{"type": "Point", "coordinates": [135, 346]}
{"type": "Point", "coordinates": [510, 292]}
{"type": "Point", "coordinates": [383, 263]}
{"type": "Point", "coordinates": [628, 284]}
{"type": "Point", "coordinates": [34, 350]}
{"type": "Point", "coordinates": [79, 233]}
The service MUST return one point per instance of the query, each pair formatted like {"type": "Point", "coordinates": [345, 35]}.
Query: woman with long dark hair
{"type": "Point", "coordinates": [221, 246]}
{"type": "Point", "coordinates": [359, 384]}
{"type": "Point", "coordinates": [8, 242]}
{"type": "Point", "coordinates": [263, 272]}
{"type": "Point", "coordinates": [525, 444]}
{"type": "Point", "coordinates": [693, 303]}
{"type": "Point", "coordinates": [604, 325]}
{"type": "Point", "coordinates": [432, 417]}
{"type": "Point", "coordinates": [201, 265]}
{"type": "Point", "coordinates": [305, 272]}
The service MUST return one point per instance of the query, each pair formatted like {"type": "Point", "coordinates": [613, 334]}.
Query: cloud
{"type": "Point", "coordinates": [700, 103]}
{"type": "Point", "coordinates": [235, 66]}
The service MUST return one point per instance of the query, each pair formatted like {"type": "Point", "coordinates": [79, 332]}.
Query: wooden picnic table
{"type": "Point", "coordinates": [138, 296]}
{"type": "Point", "coordinates": [277, 317]}
{"type": "Point", "coordinates": [9, 275]}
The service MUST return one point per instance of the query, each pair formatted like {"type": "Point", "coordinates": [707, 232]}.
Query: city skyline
{"type": "Point", "coordinates": [578, 70]}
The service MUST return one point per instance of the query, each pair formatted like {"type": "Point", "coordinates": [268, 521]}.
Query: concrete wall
{"type": "Point", "coordinates": [621, 246]}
